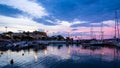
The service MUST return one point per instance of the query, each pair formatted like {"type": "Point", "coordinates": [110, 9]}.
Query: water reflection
{"type": "Point", "coordinates": [45, 51]}
{"type": "Point", "coordinates": [68, 50]}
{"type": "Point", "coordinates": [36, 56]}
{"type": "Point", "coordinates": [62, 56]}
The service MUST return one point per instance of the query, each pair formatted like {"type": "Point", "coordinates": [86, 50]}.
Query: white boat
{"type": "Point", "coordinates": [20, 44]}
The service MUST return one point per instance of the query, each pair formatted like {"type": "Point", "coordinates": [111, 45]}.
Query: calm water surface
{"type": "Point", "coordinates": [62, 56]}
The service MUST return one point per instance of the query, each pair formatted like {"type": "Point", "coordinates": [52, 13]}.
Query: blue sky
{"type": "Point", "coordinates": [58, 16]}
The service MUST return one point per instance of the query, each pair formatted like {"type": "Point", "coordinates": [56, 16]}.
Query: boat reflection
{"type": "Point", "coordinates": [68, 51]}
{"type": "Point", "coordinates": [35, 56]}
{"type": "Point", "coordinates": [45, 51]}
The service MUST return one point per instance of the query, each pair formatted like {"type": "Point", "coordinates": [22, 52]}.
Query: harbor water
{"type": "Point", "coordinates": [62, 56]}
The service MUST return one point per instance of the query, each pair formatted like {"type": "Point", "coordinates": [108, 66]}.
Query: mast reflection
{"type": "Point", "coordinates": [45, 51]}
{"type": "Point", "coordinates": [35, 56]}
{"type": "Point", "coordinates": [68, 51]}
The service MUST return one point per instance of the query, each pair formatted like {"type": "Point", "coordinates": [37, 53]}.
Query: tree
{"type": "Point", "coordinates": [60, 37]}
{"type": "Point", "coordinates": [27, 33]}
{"type": "Point", "coordinates": [67, 38]}
{"type": "Point", "coordinates": [54, 38]}
{"type": "Point", "coordinates": [10, 32]}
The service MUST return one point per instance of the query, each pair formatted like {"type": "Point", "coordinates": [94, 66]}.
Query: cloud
{"type": "Point", "coordinates": [15, 24]}
{"type": "Point", "coordinates": [26, 24]}
{"type": "Point", "coordinates": [110, 23]}
{"type": "Point", "coordinates": [29, 7]}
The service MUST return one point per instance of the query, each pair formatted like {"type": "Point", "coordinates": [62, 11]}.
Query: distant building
{"type": "Point", "coordinates": [38, 35]}
{"type": "Point", "coordinates": [25, 35]}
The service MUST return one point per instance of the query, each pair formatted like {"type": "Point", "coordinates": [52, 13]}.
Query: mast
{"type": "Point", "coordinates": [116, 25]}
{"type": "Point", "coordinates": [101, 31]}
{"type": "Point", "coordinates": [91, 30]}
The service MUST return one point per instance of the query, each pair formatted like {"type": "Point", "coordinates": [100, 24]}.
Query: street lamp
{"type": "Point", "coordinates": [6, 28]}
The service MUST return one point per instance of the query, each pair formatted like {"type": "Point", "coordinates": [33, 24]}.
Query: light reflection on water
{"type": "Point", "coordinates": [62, 56]}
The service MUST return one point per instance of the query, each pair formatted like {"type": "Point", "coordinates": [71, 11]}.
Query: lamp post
{"type": "Point", "coordinates": [6, 28]}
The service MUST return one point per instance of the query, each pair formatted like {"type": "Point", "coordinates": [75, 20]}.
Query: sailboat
{"type": "Point", "coordinates": [97, 42]}
{"type": "Point", "coordinates": [117, 43]}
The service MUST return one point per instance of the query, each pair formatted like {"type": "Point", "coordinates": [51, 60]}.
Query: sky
{"type": "Point", "coordinates": [73, 17]}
